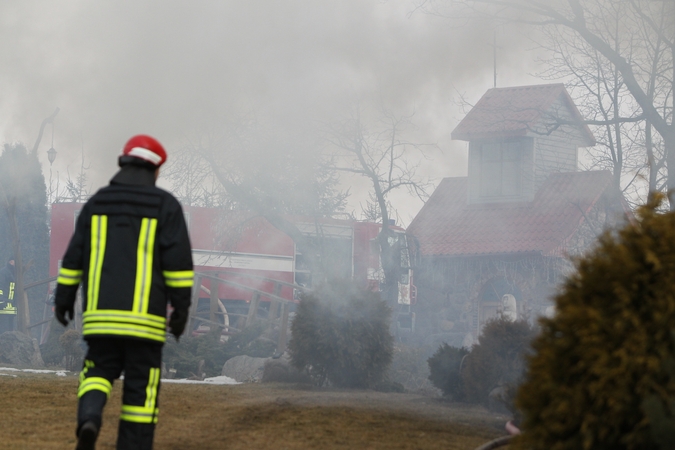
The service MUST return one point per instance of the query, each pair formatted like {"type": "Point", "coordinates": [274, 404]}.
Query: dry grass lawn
{"type": "Point", "coordinates": [38, 412]}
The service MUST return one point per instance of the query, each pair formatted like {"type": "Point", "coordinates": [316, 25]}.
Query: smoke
{"type": "Point", "coordinates": [116, 68]}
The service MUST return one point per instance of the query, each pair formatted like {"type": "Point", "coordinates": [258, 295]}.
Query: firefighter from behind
{"type": "Point", "coordinates": [131, 253]}
{"type": "Point", "coordinates": [7, 305]}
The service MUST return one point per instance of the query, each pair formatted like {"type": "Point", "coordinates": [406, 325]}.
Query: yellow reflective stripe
{"type": "Point", "coordinates": [11, 291]}
{"type": "Point", "coordinates": [151, 390]}
{"type": "Point", "coordinates": [139, 414]}
{"type": "Point", "coordinates": [138, 418]}
{"type": "Point", "coordinates": [67, 281]}
{"type": "Point", "coordinates": [116, 315]}
{"type": "Point", "coordinates": [144, 258]}
{"type": "Point", "coordinates": [124, 326]}
{"type": "Point", "coordinates": [179, 278]}
{"type": "Point", "coordinates": [8, 309]}
{"type": "Point", "coordinates": [178, 274]}
{"type": "Point", "coordinates": [99, 231]}
{"type": "Point", "coordinates": [94, 384]}
{"type": "Point", "coordinates": [70, 272]}
{"type": "Point", "coordinates": [113, 329]}
{"type": "Point", "coordinates": [149, 411]}
{"type": "Point", "coordinates": [180, 284]}
{"type": "Point", "coordinates": [69, 277]}
{"type": "Point", "coordinates": [88, 364]}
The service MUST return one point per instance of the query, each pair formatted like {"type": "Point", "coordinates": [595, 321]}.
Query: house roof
{"type": "Point", "coordinates": [448, 226]}
{"type": "Point", "coordinates": [514, 111]}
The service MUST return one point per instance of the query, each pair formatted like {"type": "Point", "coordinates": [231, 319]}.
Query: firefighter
{"type": "Point", "coordinates": [131, 252]}
{"type": "Point", "coordinates": [7, 286]}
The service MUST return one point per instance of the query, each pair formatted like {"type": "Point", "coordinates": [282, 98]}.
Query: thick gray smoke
{"type": "Point", "coordinates": [116, 68]}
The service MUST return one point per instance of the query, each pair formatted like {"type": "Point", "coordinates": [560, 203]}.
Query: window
{"type": "Point", "coordinates": [501, 169]}
{"type": "Point", "coordinates": [334, 255]}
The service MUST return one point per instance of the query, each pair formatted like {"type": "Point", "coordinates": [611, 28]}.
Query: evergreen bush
{"type": "Point", "coordinates": [340, 334]}
{"type": "Point", "coordinates": [444, 370]}
{"type": "Point", "coordinates": [51, 350]}
{"type": "Point", "coordinates": [606, 350]}
{"type": "Point", "coordinates": [184, 357]}
{"type": "Point", "coordinates": [73, 349]}
{"type": "Point", "coordinates": [22, 182]}
{"type": "Point", "coordinates": [498, 360]}
{"type": "Point", "coordinates": [409, 368]}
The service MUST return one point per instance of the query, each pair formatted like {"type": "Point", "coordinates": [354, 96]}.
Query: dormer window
{"type": "Point", "coordinates": [501, 169]}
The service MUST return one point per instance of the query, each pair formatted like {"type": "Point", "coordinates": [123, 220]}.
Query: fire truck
{"type": "Point", "coordinates": [241, 259]}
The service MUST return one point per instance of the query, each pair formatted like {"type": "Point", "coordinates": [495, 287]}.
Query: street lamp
{"type": "Point", "coordinates": [51, 155]}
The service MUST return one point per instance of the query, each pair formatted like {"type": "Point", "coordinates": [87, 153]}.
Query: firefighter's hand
{"type": "Point", "coordinates": [177, 322]}
{"type": "Point", "coordinates": [64, 314]}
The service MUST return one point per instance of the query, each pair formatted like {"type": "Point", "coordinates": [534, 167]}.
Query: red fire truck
{"type": "Point", "coordinates": [258, 262]}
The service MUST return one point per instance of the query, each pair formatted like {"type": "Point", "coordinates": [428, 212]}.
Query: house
{"type": "Point", "coordinates": [509, 227]}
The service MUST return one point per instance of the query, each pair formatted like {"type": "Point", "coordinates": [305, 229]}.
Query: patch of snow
{"type": "Point", "coordinates": [42, 371]}
{"type": "Point", "coordinates": [62, 373]}
{"type": "Point", "coordinates": [58, 373]}
{"type": "Point", "coordinates": [213, 380]}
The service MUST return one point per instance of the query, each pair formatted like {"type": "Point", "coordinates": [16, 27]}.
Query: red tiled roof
{"type": "Point", "coordinates": [447, 226]}
{"type": "Point", "coordinates": [513, 111]}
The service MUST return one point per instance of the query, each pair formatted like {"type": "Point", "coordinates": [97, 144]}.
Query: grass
{"type": "Point", "coordinates": [39, 413]}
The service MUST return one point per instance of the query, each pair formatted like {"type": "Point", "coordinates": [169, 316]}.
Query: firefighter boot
{"type": "Point", "coordinates": [86, 437]}
{"type": "Point", "coordinates": [135, 436]}
{"type": "Point", "coordinates": [90, 409]}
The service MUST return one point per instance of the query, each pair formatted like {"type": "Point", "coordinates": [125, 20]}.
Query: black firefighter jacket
{"type": "Point", "coordinates": [131, 252]}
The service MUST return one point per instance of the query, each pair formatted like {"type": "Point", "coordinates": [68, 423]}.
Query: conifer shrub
{"type": "Point", "coordinates": [185, 356]}
{"type": "Point", "coordinates": [444, 370]}
{"type": "Point", "coordinates": [410, 369]}
{"type": "Point", "coordinates": [73, 349]}
{"type": "Point", "coordinates": [606, 350]}
{"type": "Point", "coordinates": [340, 334]}
{"type": "Point", "coordinates": [51, 350]}
{"type": "Point", "coordinates": [498, 360]}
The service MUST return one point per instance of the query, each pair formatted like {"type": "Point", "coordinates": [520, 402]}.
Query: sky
{"type": "Point", "coordinates": [165, 68]}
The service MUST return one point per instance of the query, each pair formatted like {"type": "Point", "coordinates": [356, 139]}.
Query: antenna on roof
{"type": "Point", "coordinates": [494, 57]}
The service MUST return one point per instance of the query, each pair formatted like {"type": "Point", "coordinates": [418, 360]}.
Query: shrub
{"type": "Point", "coordinates": [341, 334]}
{"type": "Point", "coordinates": [606, 350]}
{"type": "Point", "coordinates": [498, 358]}
{"type": "Point", "coordinates": [73, 349]}
{"type": "Point", "coordinates": [444, 370]}
{"type": "Point", "coordinates": [52, 352]}
{"type": "Point", "coordinates": [185, 356]}
{"type": "Point", "coordinates": [409, 368]}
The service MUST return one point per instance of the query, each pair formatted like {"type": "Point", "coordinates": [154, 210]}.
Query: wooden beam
{"type": "Point", "coordinates": [195, 299]}
{"type": "Point", "coordinates": [248, 288]}
{"type": "Point", "coordinates": [253, 309]}
{"type": "Point", "coordinates": [214, 300]}
{"type": "Point", "coordinates": [281, 345]}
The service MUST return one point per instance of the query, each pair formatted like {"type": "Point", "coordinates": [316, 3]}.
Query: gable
{"type": "Point", "coordinates": [522, 111]}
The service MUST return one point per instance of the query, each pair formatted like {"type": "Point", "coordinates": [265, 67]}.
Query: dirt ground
{"type": "Point", "coordinates": [38, 412]}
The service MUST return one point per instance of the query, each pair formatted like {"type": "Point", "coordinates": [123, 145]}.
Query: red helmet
{"type": "Point", "coordinates": [146, 148]}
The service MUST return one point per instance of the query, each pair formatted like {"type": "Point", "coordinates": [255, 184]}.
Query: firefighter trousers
{"type": "Point", "coordinates": [106, 360]}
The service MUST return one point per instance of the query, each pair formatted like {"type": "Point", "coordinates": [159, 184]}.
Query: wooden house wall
{"type": "Point", "coordinates": [555, 146]}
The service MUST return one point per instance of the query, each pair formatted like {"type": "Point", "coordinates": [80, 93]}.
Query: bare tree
{"type": "Point", "coordinates": [624, 144]}
{"type": "Point", "coordinates": [634, 41]}
{"type": "Point", "coordinates": [241, 165]}
{"type": "Point", "coordinates": [385, 158]}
